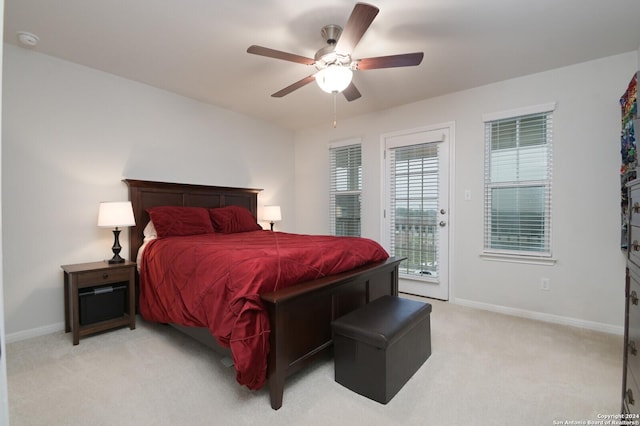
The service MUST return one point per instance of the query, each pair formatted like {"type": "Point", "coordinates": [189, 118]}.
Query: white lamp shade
{"type": "Point", "coordinates": [334, 78]}
{"type": "Point", "coordinates": [272, 213]}
{"type": "Point", "coordinates": [116, 213]}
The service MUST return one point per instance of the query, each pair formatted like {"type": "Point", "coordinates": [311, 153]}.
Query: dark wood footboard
{"type": "Point", "coordinates": [301, 316]}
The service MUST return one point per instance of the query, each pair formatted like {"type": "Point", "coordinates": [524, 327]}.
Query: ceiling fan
{"type": "Point", "coordinates": [334, 63]}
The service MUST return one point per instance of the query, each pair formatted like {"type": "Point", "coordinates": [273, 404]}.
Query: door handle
{"type": "Point", "coordinates": [442, 223]}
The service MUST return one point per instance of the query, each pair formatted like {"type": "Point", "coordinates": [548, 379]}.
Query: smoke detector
{"type": "Point", "coordinates": [27, 39]}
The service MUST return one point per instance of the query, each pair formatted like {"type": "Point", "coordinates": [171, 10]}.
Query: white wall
{"type": "Point", "coordinates": [587, 282]}
{"type": "Point", "coordinates": [71, 134]}
{"type": "Point", "coordinates": [4, 397]}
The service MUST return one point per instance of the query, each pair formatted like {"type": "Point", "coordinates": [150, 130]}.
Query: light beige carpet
{"type": "Point", "coordinates": [486, 369]}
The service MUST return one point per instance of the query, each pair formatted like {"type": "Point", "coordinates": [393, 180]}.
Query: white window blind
{"type": "Point", "coordinates": [346, 187]}
{"type": "Point", "coordinates": [413, 179]}
{"type": "Point", "coordinates": [518, 160]}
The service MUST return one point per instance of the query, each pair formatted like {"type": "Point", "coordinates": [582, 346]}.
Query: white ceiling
{"type": "Point", "coordinates": [197, 48]}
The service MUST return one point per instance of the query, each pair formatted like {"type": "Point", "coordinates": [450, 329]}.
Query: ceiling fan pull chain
{"type": "Point", "coordinates": [335, 114]}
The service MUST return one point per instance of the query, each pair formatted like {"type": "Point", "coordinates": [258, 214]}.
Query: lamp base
{"type": "Point", "coordinates": [116, 248]}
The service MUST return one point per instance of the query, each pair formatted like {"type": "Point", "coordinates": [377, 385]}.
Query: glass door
{"type": "Point", "coordinates": [417, 209]}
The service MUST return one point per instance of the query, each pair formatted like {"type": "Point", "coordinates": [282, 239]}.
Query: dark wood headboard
{"type": "Point", "coordinates": [145, 194]}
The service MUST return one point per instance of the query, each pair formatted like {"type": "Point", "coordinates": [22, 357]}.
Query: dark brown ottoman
{"type": "Point", "coordinates": [377, 348]}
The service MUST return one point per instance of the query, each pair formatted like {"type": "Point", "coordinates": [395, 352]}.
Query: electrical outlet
{"type": "Point", "coordinates": [544, 284]}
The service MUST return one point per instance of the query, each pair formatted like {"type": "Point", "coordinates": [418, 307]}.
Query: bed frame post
{"type": "Point", "coordinates": [276, 366]}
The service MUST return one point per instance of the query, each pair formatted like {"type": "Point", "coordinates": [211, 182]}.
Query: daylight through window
{"type": "Point", "coordinates": [346, 187]}
{"type": "Point", "coordinates": [414, 172]}
{"type": "Point", "coordinates": [518, 184]}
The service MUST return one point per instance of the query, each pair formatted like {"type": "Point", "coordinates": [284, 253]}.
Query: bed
{"type": "Point", "coordinates": [299, 316]}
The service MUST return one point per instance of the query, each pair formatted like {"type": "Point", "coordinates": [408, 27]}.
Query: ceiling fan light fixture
{"type": "Point", "coordinates": [334, 78]}
{"type": "Point", "coordinates": [334, 62]}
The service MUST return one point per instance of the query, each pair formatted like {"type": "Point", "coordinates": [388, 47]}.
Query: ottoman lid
{"type": "Point", "coordinates": [382, 321]}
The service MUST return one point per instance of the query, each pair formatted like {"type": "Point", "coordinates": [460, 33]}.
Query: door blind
{"type": "Point", "coordinates": [413, 173]}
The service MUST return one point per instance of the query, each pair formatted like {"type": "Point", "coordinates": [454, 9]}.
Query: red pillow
{"type": "Point", "coordinates": [231, 219]}
{"type": "Point", "coordinates": [173, 221]}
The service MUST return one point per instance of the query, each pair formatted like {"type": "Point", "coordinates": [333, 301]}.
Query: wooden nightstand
{"type": "Point", "coordinates": [100, 281]}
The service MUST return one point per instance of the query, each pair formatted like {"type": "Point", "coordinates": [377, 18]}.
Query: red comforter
{"type": "Point", "coordinates": [214, 281]}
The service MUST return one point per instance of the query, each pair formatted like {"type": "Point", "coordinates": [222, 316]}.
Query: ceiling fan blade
{"type": "Point", "coordinates": [298, 84]}
{"type": "Point", "coordinates": [277, 54]}
{"type": "Point", "coordinates": [361, 17]}
{"type": "Point", "coordinates": [404, 60]}
{"type": "Point", "coordinates": [351, 93]}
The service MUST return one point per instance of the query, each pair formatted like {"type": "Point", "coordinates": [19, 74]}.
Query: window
{"type": "Point", "coordinates": [346, 186]}
{"type": "Point", "coordinates": [518, 182]}
{"type": "Point", "coordinates": [413, 178]}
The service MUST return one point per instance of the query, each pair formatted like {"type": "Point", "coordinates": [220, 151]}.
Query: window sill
{"type": "Point", "coordinates": [530, 260]}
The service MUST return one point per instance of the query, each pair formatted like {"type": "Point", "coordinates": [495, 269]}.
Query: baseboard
{"type": "Point", "coordinates": [539, 316]}
{"type": "Point", "coordinates": [34, 332]}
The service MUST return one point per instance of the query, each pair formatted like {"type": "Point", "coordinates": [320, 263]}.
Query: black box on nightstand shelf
{"type": "Point", "coordinates": [102, 303]}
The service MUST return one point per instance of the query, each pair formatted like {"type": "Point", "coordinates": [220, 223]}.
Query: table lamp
{"type": "Point", "coordinates": [116, 214]}
{"type": "Point", "coordinates": [272, 214]}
